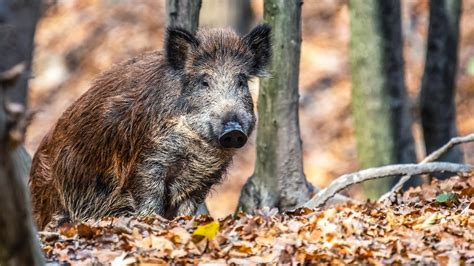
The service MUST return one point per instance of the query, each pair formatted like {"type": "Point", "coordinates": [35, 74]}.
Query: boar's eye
{"type": "Point", "coordinates": [242, 80]}
{"type": "Point", "coordinates": [203, 81]}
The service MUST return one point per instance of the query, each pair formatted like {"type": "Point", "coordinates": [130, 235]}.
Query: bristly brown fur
{"type": "Point", "coordinates": [142, 139]}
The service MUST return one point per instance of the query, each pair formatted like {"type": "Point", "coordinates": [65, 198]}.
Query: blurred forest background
{"type": "Point", "coordinates": [76, 40]}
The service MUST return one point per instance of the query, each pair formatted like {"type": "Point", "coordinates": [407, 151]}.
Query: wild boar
{"type": "Point", "coordinates": [153, 134]}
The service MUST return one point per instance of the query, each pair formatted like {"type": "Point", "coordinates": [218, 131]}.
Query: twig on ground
{"type": "Point", "coordinates": [374, 173]}
{"type": "Point", "coordinates": [430, 158]}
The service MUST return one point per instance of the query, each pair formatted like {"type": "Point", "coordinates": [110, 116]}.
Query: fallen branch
{"type": "Point", "coordinates": [336, 199]}
{"type": "Point", "coordinates": [430, 158]}
{"type": "Point", "coordinates": [374, 173]}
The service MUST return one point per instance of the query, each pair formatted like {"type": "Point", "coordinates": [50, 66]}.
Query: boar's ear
{"type": "Point", "coordinates": [178, 44]}
{"type": "Point", "coordinates": [259, 41]}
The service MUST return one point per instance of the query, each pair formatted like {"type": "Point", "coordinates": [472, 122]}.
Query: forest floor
{"type": "Point", "coordinates": [432, 224]}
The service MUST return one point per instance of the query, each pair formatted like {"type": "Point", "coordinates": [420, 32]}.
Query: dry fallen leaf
{"type": "Point", "coordinates": [208, 230]}
{"type": "Point", "coordinates": [406, 232]}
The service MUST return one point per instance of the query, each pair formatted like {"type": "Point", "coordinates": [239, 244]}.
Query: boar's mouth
{"type": "Point", "coordinates": [233, 136]}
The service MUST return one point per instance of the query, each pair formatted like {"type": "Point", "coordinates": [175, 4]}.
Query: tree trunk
{"type": "Point", "coordinates": [438, 111]}
{"type": "Point", "coordinates": [18, 242]}
{"type": "Point", "coordinates": [278, 180]}
{"type": "Point", "coordinates": [183, 13]}
{"type": "Point", "coordinates": [21, 161]}
{"type": "Point", "coordinates": [17, 29]}
{"type": "Point", "coordinates": [379, 100]}
{"type": "Point", "coordinates": [228, 13]}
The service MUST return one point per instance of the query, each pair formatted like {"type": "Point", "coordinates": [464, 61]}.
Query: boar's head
{"type": "Point", "coordinates": [212, 69]}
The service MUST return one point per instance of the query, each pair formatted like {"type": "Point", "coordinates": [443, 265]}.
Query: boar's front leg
{"type": "Point", "coordinates": [151, 194]}
{"type": "Point", "coordinates": [187, 202]}
{"type": "Point", "coordinates": [187, 207]}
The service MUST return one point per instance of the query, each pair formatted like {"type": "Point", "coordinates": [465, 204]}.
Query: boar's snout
{"type": "Point", "coordinates": [233, 136]}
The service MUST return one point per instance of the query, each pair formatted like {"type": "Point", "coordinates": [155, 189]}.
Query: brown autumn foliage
{"type": "Point", "coordinates": [431, 224]}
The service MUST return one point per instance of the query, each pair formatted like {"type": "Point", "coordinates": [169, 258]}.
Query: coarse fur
{"type": "Point", "coordinates": [144, 138]}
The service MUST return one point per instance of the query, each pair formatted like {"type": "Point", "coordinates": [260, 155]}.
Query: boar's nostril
{"type": "Point", "coordinates": [233, 136]}
{"type": "Point", "coordinates": [233, 139]}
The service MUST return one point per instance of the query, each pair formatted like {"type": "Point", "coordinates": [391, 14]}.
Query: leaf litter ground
{"type": "Point", "coordinates": [432, 224]}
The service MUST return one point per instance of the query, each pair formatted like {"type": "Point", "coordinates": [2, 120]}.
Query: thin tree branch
{"type": "Point", "coordinates": [430, 158]}
{"type": "Point", "coordinates": [373, 173]}
{"type": "Point", "coordinates": [13, 73]}
{"type": "Point", "coordinates": [454, 141]}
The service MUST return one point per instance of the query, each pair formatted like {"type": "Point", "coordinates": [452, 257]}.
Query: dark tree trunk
{"type": "Point", "coordinates": [379, 101]}
{"type": "Point", "coordinates": [278, 180]}
{"type": "Point", "coordinates": [18, 241]}
{"type": "Point", "coordinates": [183, 13]}
{"type": "Point", "coordinates": [438, 111]}
{"type": "Point", "coordinates": [17, 29]}
{"type": "Point", "coordinates": [228, 13]}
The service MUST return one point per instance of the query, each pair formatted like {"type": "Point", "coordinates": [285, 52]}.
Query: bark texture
{"type": "Point", "coordinates": [17, 29]}
{"type": "Point", "coordinates": [228, 13]}
{"type": "Point", "coordinates": [18, 241]}
{"type": "Point", "coordinates": [183, 13]}
{"type": "Point", "coordinates": [438, 111]}
{"type": "Point", "coordinates": [379, 101]}
{"type": "Point", "coordinates": [278, 180]}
